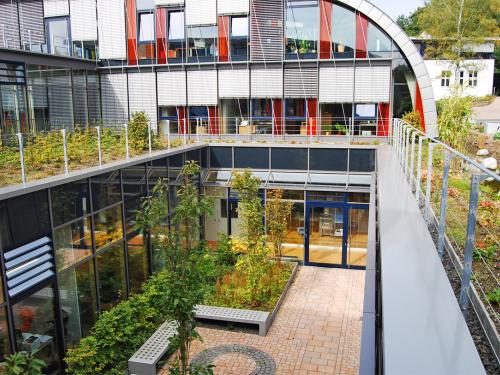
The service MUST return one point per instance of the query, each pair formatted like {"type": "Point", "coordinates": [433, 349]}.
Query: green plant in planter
{"type": "Point", "coordinates": [138, 138]}
{"type": "Point", "coordinates": [413, 118]}
{"type": "Point", "coordinates": [327, 129]}
{"type": "Point", "coordinates": [22, 363]}
{"type": "Point", "coordinates": [494, 297]}
{"type": "Point", "coordinates": [342, 129]}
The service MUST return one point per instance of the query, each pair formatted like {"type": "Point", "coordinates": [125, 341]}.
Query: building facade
{"type": "Point", "coordinates": [291, 67]}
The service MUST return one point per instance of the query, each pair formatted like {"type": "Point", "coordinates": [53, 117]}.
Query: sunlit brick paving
{"type": "Point", "coordinates": [317, 330]}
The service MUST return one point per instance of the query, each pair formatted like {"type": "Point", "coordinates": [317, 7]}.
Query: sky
{"type": "Point", "coordinates": [396, 7]}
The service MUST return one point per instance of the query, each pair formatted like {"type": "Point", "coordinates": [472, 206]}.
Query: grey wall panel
{"type": "Point", "coordinates": [9, 23]}
{"type": "Point", "coordinates": [301, 82]}
{"type": "Point", "coordinates": [114, 99]}
{"type": "Point", "coordinates": [266, 30]}
{"type": "Point", "coordinates": [31, 19]}
{"type": "Point", "coordinates": [142, 94]}
{"type": "Point", "coordinates": [60, 101]}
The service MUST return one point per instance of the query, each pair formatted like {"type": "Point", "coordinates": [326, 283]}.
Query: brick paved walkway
{"type": "Point", "coordinates": [317, 330]}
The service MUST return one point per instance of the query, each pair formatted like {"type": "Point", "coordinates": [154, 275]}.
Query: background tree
{"type": "Point", "coordinates": [410, 23]}
{"type": "Point", "coordinates": [277, 213]}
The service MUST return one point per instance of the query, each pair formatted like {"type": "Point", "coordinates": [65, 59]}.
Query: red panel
{"type": "Point", "coordinates": [325, 34]}
{"type": "Point", "coordinates": [361, 35]}
{"type": "Point", "coordinates": [213, 120]}
{"type": "Point", "coordinates": [181, 115]}
{"type": "Point", "coordinates": [419, 106]}
{"type": "Point", "coordinates": [383, 119]}
{"type": "Point", "coordinates": [131, 32]}
{"type": "Point", "coordinates": [312, 120]}
{"type": "Point", "coordinates": [223, 38]}
{"type": "Point", "coordinates": [161, 35]}
{"type": "Point", "coordinates": [278, 116]}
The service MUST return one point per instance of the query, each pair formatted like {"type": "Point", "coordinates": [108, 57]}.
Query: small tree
{"type": "Point", "coordinates": [277, 214]}
{"type": "Point", "coordinates": [454, 121]}
{"type": "Point", "coordinates": [182, 247]}
{"type": "Point", "coordinates": [138, 132]}
{"type": "Point", "coordinates": [22, 363]}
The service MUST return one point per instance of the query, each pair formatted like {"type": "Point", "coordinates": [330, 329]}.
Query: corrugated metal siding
{"type": "Point", "coordinates": [234, 83]}
{"type": "Point", "coordinates": [114, 99]}
{"type": "Point", "coordinates": [168, 2]}
{"type": "Point", "coordinates": [201, 12]}
{"type": "Point", "coordinates": [38, 89]}
{"type": "Point", "coordinates": [373, 84]}
{"type": "Point", "coordinates": [80, 99]}
{"type": "Point", "coordinates": [266, 83]}
{"type": "Point", "coordinates": [142, 94]}
{"type": "Point", "coordinates": [60, 101]}
{"type": "Point", "coordinates": [301, 82]}
{"type": "Point", "coordinates": [336, 84]}
{"type": "Point", "coordinates": [266, 30]}
{"type": "Point", "coordinates": [233, 6]}
{"type": "Point", "coordinates": [93, 97]}
{"type": "Point", "coordinates": [31, 17]}
{"type": "Point", "coordinates": [202, 87]}
{"type": "Point", "coordinates": [111, 22]}
{"type": "Point", "coordinates": [9, 22]}
{"type": "Point", "coordinates": [55, 8]}
{"type": "Point", "coordinates": [83, 20]}
{"type": "Point", "coordinates": [171, 88]}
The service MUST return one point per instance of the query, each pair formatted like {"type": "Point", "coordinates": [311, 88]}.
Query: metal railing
{"type": "Point", "coordinates": [457, 195]}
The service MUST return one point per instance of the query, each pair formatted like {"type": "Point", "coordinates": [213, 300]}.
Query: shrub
{"type": "Point", "coordinates": [138, 138]}
{"type": "Point", "coordinates": [413, 118]}
{"type": "Point", "coordinates": [494, 297]}
{"type": "Point", "coordinates": [454, 121]}
{"type": "Point", "coordinates": [22, 363]}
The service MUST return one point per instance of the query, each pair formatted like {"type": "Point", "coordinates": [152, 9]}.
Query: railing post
{"type": "Point", "coordinates": [428, 184]}
{"type": "Point", "coordinates": [197, 128]}
{"type": "Point", "coordinates": [168, 134]}
{"type": "Point", "coordinates": [99, 151]}
{"type": "Point", "coordinates": [444, 198]}
{"type": "Point", "coordinates": [65, 150]}
{"type": "Point", "coordinates": [412, 159]}
{"type": "Point", "coordinates": [402, 149]}
{"type": "Point", "coordinates": [310, 131]}
{"type": "Point", "coordinates": [419, 169]}
{"type": "Point", "coordinates": [21, 157]}
{"type": "Point", "coordinates": [407, 150]}
{"type": "Point", "coordinates": [127, 154]}
{"type": "Point", "coordinates": [149, 138]}
{"type": "Point", "coordinates": [469, 243]}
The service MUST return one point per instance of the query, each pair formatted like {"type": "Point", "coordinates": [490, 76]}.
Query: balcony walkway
{"type": "Point", "coordinates": [317, 330]}
{"type": "Point", "coordinates": [424, 330]}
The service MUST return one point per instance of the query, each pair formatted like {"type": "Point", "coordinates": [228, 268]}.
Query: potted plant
{"type": "Point", "coordinates": [341, 129]}
{"type": "Point", "coordinates": [327, 129]}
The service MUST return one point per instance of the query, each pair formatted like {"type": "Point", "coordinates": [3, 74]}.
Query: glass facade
{"type": "Point", "coordinates": [302, 31]}
{"type": "Point", "coordinates": [202, 43]}
{"type": "Point", "coordinates": [175, 36]}
{"type": "Point", "coordinates": [239, 38]}
{"type": "Point", "coordinates": [343, 32]}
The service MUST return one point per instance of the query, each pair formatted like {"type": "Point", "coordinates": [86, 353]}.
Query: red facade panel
{"type": "Point", "coordinates": [383, 119]}
{"type": "Point", "coordinates": [419, 106]}
{"type": "Point", "coordinates": [312, 120]}
{"type": "Point", "coordinates": [278, 116]}
{"type": "Point", "coordinates": [325, 31]}
{"type": "Point", "coordinates": [161, 35]}
{"type": "Point", "coordinates": [223, 38]}
{"type": "Point", "coordinates": [361, 36]}
{"type": "Point", "coordinates": [131, 32]}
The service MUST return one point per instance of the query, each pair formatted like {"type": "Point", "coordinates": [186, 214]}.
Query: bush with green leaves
{"type": "Point", "coordinates": [414, 119]}
{"type": "Point", "coordinates": [138, 133]}
{"type": "Point", "coordinates": [22, 363]}
{"type": "Point", "coordinates": [454, 120]}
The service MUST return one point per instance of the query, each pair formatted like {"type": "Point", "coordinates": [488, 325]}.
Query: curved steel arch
{"type": "Point", "coordinates": [411, 53]}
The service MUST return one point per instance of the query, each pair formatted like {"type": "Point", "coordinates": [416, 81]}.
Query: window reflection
{"type": "Point", "coordinates": [111, 276]}
{"type": "Point", "coordinates": [239, 37]}
{"type": "Point", "coordinates": [4, 334]}
{"type": "Point", "coordinates": [72, 243]}
{"type": "Point", "coordinates": [108, 226]}
{"type": "Point", "coordinates": [357, 241]}
{"type": "Point", "coordinates": [175, 36]}
{"type": "Point", "coordinates": [302, 28]}
{"type": "Point", "coordinates": [105, 190]}
{"type": "Point", "coordinates": [379, 44]}
{"type": "Point", "coordinates": [137, 262]}
{"type": "Point", "coordinates": [343, 32]}
{"type": "Point", "coordinates": [35, 327]}
{"type": "Point", "coordinates": [78, 298]}
{"type": "Point", "coordinates": [202, 43]}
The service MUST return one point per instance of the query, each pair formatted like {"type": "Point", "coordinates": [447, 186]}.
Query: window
{"type": "Point", "coordinates": [343, 32]}
{"type": "Point", "coordinates": [461, 78]}
{"type": "Point", "coordinates": [175, 36]}
{"type": "Point", "coordinates": [473, 78]}
{"type": "Point", "coordinates": [379, 44]}
{"type": "Point", "coordinates": [69, 201]}
{"type": "Point", "coordinates": [111, 276]}
{"type": "Point", "coordinates": [106, 190]}
{"type": "Point", "coordinates": [58, 42]}
{"type": "Point", "coordinates": [239, 37]}
{"type": "Point", "coordinates": [108, 226]}
{"type": "Point", "coordinates": [302, 20]}
{"type": "Point", "coordinates": [445, 78]}
{"type": "Point", "coordinates": [138, 263]}
{"type": "Point", "coordinates": [202, 43]}
{"type": "Point", "coordinates": [72, 243]}
{"type": "Point", "coordinates": [146, 27]}
{"type": "Point", "coordinates": [85, 49]}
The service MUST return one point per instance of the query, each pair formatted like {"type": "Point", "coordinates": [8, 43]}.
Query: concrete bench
{"type": "Point", "coordinates": [144, 361]}
{"type": "Point", "coordinates": [226, 314]}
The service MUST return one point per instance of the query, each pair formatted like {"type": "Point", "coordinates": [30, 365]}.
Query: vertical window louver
{"type": "Point", "coordinates": [31, 22]}
{"type": "Point", "coordinates": [266, 30]}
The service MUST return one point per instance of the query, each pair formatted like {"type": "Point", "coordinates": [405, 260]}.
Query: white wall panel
{"type": "Point", "coordinates": [111, 21]}
{"type": "Point", "coordinates": [168, 2]}
{"type": "Point", "coordinates": [114, 99]}
{"type": "Point", "coordinates": [233, 6]}
{"type": "Point", "coordinates": [336, 84]}
{"type": "Point", "coordinates": [142, 94]}
{"type": "Point", "coordinates": [83, 20]}
{"type": "Point", "coordinates": [55, 8]}
{"type": "Point", "coordinates": [234, 83]}
{"type": "Point", "coordinates": [202, 87]}
{"type": "Point", "coordinates": [267, 83]}
{"type": "Point", "coordinates": [171, 88]}
{"type": "Point", "coordinates": [201, 12]}
{"type": "Point", "coordinates": [372, 84]}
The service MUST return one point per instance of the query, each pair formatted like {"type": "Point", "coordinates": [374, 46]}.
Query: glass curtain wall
{"type": "Point", "coordinates": [302, 29]}
{"type": "Point", "coordinates": [13, 118]}
{"type": "Point", "coordinates": [202, 43]}
{"type": "Point", "coordinates": [404, 86]}
{"type": "Point", "coordinates": [343, 32]}
{"type": "Point", "coordinates": [175, 36]}
{"type": "Point", "coordinates": [239, 38]}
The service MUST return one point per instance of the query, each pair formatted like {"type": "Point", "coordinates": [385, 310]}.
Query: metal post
{"type": "Point", "coordinates": [197, 128]}
{"type": "Point", "coordinates": [65, 149]}
{"type": "Point", "coordinates": [419, 169]}
{"type": "Point", "coordinates": [444, 198]}
{"type": "Point", "coordinates": [412, 159]}
{"type": "Point", "coordinates": [29, 38]}
{"type": "Point", "coordinates": [127, 154]}
{"type": "Point", "coordinates": [407, 150]}
{"type": "Point", "coordinates": [428, 185]}
{"type": "Point", "coordinates": [99, 151]}
{"type": "Point", "coordinates": [168, 134]}
{"type": "Point", "coordinates": [149, 138]}
{"type": "Point", "coordinates": [21, 157]}
{"type": "Point", "coordinates": [469, 243]}
{"type": "Point", "coordinates": [402, 143]}
{"type": "Point", "coordinates": [310, 131]}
